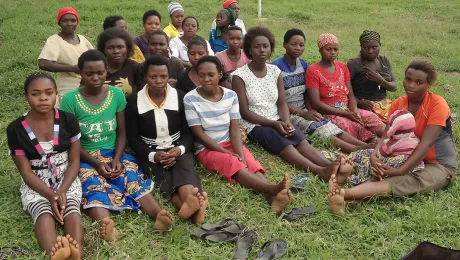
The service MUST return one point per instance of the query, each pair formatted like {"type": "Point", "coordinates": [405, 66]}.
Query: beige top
{"type": "Point", "coordinates": [60, 51]}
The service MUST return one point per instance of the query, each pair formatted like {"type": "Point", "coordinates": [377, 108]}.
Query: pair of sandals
{"type": "Point", "coordinates": [228, 230]}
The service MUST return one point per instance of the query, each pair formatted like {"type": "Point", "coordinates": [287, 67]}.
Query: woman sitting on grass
{"type": "Point", "coordinates": [159, 135]}
{"type": "Point", "coordinates": [372, 76]}
{"type": "Point", "coordinates": [264, 111]}
{"type": "Point", "coordinates": [218, 37]}
{"type": "Point", "coordinates": [61, 51]}
{"type": "Point", "coordinates": [122, 72]}
{"type": "Point", "coordinates": [119, 22]}
{"type": "Point", "coordinates": [433, 126]}
{"type": "Point", "coordinates": [176, 13]}
{"type": "Point", "coordinates": [152, 22]}
{"type": "Point", "coordinates": [111, 179]}
{"type": "Point", "coordinates": [303, 115]}
{"type": "Point", "coordinates": [329, 92]}
{"type": "Point", "coordinates": [233, 57]}
{"type": "Point", "coordinates": [159, 45]}
{"type": "Point", "coordinates": [178, 45]}
{"type": "Point", "coordinates": [212, 113]}
{"type": "Point", "coordinates": [189, 80]}
{"type": "Point", "coordinates": [45, 146]}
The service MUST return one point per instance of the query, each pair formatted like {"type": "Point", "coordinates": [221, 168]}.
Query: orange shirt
{"type": "Point", "coordinates": [433, 111]}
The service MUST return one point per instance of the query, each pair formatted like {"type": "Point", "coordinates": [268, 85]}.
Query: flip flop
{"type": "Point", "coordinates": [298, 213]}
{"type": "Point", "coordinates": [272, 250]}
{"type": "Point", "coordinates": [228, 225]}
{"type": "Point", "coordinates": [214, 235]}
{"type": "Point", "coordinates": [244, 244]}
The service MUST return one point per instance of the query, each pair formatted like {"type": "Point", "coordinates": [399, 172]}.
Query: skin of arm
{"type": "Point", "coordinates": [56, 67]}
{"type": "Point", "coordinates": [32, 180]}
{"type": "Point", "coordinates": [390, 85]}
{"type": "Point", "coordinates": [352, 105]}
{"type": "Point", "coordinates": [235, 138]}
{"type": "Point", "coordinates": [198, 131]}
{"type": "Point", "coordinates": [283, 108]}
{"type": "Point", "coordinates": [318, 105]}
{"type": "Point", "coordinates": [120, 144]}
{"type": "Point", "coordinates": [73, 167]}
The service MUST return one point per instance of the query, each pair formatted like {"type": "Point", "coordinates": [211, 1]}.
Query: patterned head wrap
{"type": "Point", "coordinates": [367, 36]}
{"type": "Point", "coordinates": [327, 38]}
{"type": "Point", "coordinates": [174, 6]}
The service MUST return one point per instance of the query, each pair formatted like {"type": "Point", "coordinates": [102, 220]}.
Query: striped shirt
{"type": "Point", "coordinates": [214, 117]}
{"type": "Point", "coordinates": [294, 81]}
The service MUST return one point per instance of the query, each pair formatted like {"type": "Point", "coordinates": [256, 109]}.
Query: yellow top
{"type": "Point", "coordinates": [153, 103]}
{"type": "Point", "coordinates": [138, 56]}
{"type": "Point", "coordinates": [171, 31]}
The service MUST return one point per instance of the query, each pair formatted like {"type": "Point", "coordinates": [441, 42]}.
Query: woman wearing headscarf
{"type": "Point", "coordinates": [176, 13]}
{"type": "Point", "coordinates": [62, 50]}
{"type": "Point", "coordinates": [330, 93]}
{"type": "Point", "coordinates": [233, 4]}
{"type": "Point", "coordinates": [372, 76]}
{"type": "Point", "coordinates": [218, 37]}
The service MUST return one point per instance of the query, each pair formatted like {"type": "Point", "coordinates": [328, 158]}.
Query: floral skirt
{"type": "Point", "coordinates": [362, 165]}
{"type": "Point", "coordinates": [115, 194]}
{"type": "Point", "coordinates": [365, 132]}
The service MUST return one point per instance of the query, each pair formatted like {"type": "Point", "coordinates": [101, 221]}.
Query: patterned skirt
{"type": "Point", "coordinates": [362, 165]}
{"type": "Point", "coordinates": [381, 109]}
{"type": "Point", "coordinates": [115, 194]}
{"type": "Point", "coordinates": [324, 128]}
{"type": "Point", "coordinates": [365, 132]}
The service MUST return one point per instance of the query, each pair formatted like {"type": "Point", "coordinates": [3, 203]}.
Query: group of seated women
{"type": "Point", "coordinates": [70, 148]}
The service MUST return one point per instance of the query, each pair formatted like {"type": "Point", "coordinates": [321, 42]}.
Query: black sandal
{"type": "Point", "coordinates": [297, 213]}
{"type": "Point", "coordinates": [244, 245]}
{"type": "Point", "coordinates": [272, 250]}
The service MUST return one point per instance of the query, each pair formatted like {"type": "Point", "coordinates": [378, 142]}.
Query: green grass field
{"type": "Point", "coordinates": [382, 229]}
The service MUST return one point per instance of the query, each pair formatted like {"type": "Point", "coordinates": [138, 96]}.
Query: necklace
{"type": "Point", "coordinates": [95, 111]}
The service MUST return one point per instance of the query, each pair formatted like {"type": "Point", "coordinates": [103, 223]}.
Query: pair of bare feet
{"type": "Point", "coordinates": [194, 206]}
{"type": "Point", "coordinates": [65, 248]}
{"type": "Point", "coordinates": [336, 195]}
{"type": "Point", "coordinates": [283, 196]}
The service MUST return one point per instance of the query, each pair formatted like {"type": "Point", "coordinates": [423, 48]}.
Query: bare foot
{"type": "Point", "coordinates": [75, 252]}
{"type": "Point", "coordinates": [336, 197]}
{"type": "Point", "coordinates": [201, 213]}
{"type": "Point", "coordinates": [332, 168]}
{"type": "Point", "coordinates": [191, 205]}
{"type": "Point", "coordinates": [108, 230]}
{"type": "Point", "coordinates": [164, 220]}
{"type": "Point", "coordinates": [285, 183]}
{"type": "Point", "coordinates": [60, 250]}
{"type": "Point", "coordinates": [346, 166]}
{"type": "Point", "coordinates": [281, 200]}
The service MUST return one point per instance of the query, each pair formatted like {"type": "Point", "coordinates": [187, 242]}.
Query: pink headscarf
{"type": "Point", "coordinates": [401, 138]}
{"type": "Point", "coordinates": [327, 38]}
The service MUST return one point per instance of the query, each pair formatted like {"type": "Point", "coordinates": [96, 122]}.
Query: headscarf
{"type": "Point", "coordinates": [228, 3]}
{"type": "Point", "coordinates": [231, 16]}
{"type": "Point", "coordinates": [66, 10]}
{"type": "Point", "coordinates": [368, 35]}
{"type": "Point", "coordinates": [401, 137]}
{"type": "Point", "coordinates": [327, 38]}
{"type": "Point", "coordinates": [174, 6]}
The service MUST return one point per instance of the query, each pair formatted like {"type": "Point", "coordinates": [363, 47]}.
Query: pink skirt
{"type": "Point", "coordinates": [227, 165]}
{"type": "Point", "coordinates": [372, 124]}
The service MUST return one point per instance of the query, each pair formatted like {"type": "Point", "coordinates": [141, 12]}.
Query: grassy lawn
{"type": "Point", "coordinates": [384, 229]}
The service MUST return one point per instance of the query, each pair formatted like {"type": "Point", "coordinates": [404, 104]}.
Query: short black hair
{"type": "Point", "coordinates": [155, 60]}
{"type": "Point", "coordinates": [191, 17]}
{"type": "Point", "coordinates": [235, 28]}
{"type": "Point", "coordinates": [91, 55]}
{"type": "Point", "coordinates": [197, 40]}
{"type": "Point", "coordinates": [291, 33]}
{"type": "Point", "coordinates": [252, 34]}
{"type": "Point", "coordinates": [38, 75]}
{"type": "Point", "coordinates": [425, 66]}
{"type": "Point", "coordinates": [115, 33]}
{"type": "Point", "coordinates": [158, 32]}
{"type": "Point", "coordinates": [111, 21]}
{"type": "Point", "coordinates": [216, 61]}
{"type": "Point", "coordinates": [151, 13]}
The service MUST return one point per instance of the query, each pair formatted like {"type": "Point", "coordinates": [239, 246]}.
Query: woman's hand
{"type": "Point", "coordinates": [374, 77]}
{"type": "Point", "coordinates": [170, 157]}
{"type": "Point", "coordinates": [117, 168]}
{"type": "Point", "coordinates": [312, 115]}
{"type": "Point", "coordinates": [62, 202]}
{"type": "Point", "coordinates": [104, 170]}
{"type": "Point", "coordinates": [355, 117]}
{"type": "Point", "coordinates": [365, 104]}
{"type": "Point", "coordinates": [375, 166]}
{"type": "Point", "coordinates": [172, 82]}
{"type": "Point", "coordinates": [289, 128]}
{"type": "Point", "coordinates": [56, 206]}
{"type": "Point", "coordinates": [280, 127]}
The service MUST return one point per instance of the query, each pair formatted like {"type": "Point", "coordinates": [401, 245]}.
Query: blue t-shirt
{"type": "Point", "coordinates": [294, 80]}
{"type": "Point", "coordinates": [216, 42]}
